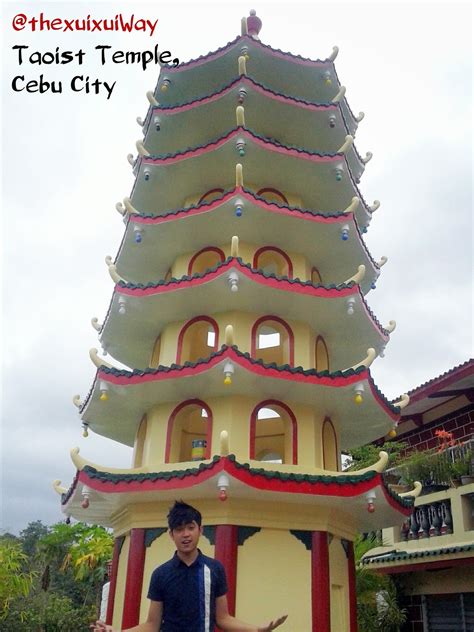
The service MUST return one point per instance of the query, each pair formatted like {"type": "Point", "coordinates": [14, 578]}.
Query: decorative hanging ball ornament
{"type": "Point", "coordinates": [138, 234]}
{"type": "Point", "coordinates": [103, 396]}
{"type": "Point", "coordinates": [233, 279]}
{"type": "Point", "coordinates": [68, 520]}
{"type": "Point", "coordinates": [157, 123]}
{"type": "Point", "coordinates": [358, 389]}
{"type": "Point", "coordinates": [370, 497]}
{"type": "Point", "coordinates": [242, 95]}
{"type": "Point", "coordinates": [327, 78]}
{"type": "Point", "coordinates": [223, 485]}
{"type": "Point", "coordinates": [165, 84]}
{"type": "Point", "coordinates": [240, 144]}
{"type": "Point", "coordinates": [345, 232]}
{"type": "Point", "coordinates": [121, 307]}
{"type": "Point", "coordinates": [85, 430]}
{"type": "Point", "coordinates": [85, 503]}
{"type": "Point", "coordinates": [146, 174]}
{"type": "Point", "coordinates": [332, 121]}
{"type": "Point", "coordinates": [245, 52]}
{"type": "Point", "coordinates": [372, 285]}
{"type": "Point", "coordinates": [364, 229]}
{"type": "Point", "coordinates": [350, 306]}
{"type": "Point", "coordinates": [238, 211]}
{"type": "Point", "coordinates": [228, 373]}
{"type": "Point", "coordinates": [392, 433]}
{"type": "Point", "coordinates": [338, 175]}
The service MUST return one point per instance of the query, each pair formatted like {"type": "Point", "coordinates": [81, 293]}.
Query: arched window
{"type": "Point", "coordinates": [273, 433]}
{"type": "Point", "coordinates": [155, 356]}
{"type": "Point", "coordinates": [211, 195]}
{"type": "Point", "coordinates": [316, 277]}
{"type": "Point", "coordinates": [197, 339]}
{"type": "Point", "coordinates": [272, 340]}
{"type": "Point", "coordinates": [273, 260]}
{"type": "Point", "coordinates": [189, 433]}
{"type": "Point", "coordinates": [321, 355]}
{"type": "Point", "coordinates": [273, 195]}
{"type": "Point", "coordinates": [140, 443]}
{"type": "Point", "coordinates": [205, 259]}
{"type": "Point", "coordinates": [330, 451]}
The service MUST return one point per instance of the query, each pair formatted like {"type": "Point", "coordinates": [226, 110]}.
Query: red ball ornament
{"type": "Point", "coordinates": [371, 507]}
{"type": "Point", "coordinates": [222, 495]}
{"type": "Point", "coordinates": [85, 503]}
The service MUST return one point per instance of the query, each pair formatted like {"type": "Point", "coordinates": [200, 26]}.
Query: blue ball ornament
{"type": "Point", "coordinates": [238, 211]}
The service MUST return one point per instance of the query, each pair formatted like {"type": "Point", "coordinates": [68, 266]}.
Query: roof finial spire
{"type": "Point", "coordinates": [254, 24]}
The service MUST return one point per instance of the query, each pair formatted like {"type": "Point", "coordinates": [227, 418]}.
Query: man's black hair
{"type": "Point", "coordinates": [181, 513]}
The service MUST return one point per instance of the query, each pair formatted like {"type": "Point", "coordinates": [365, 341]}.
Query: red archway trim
{"type": "Point", "coordinates": [320, 338]}
{"type": "Point", "coordinates": [171, 420]}
{"type": "Point", "coordinates": [217, 190]}
{"type": "Point", "coordinates": [289, 331]}
{"type": "Point", "coordinates": [185, 327]}
{"type": "Point", "coordinates": [281, 252]}
{"type": "Point", "coordinates": [328, 420]}
{"type": "Point", "coordinates": [294, 427]}
{"type": "Point", "coordinates": [271, 190]}
{"type": "Point", "coordinates": [202, 251]}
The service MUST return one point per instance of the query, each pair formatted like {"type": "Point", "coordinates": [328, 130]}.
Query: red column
{"type": "Point", "coordinates": [352, 587]}
{"type": "Point", "coordinates": [133, 587]}
{"type": "Point", "coordinates": [320, 586]}
{"type": "Point", "coordinates": [113, 580]}
{"type": "Point", "coordinates": [226, 552]}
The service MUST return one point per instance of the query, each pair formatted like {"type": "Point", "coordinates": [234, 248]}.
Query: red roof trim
{"type": "Point", "coordinates": [442, 381]}
{"type": "Point", "coordinates": [238, 191]}
{"type": "Point", "coordinates": [242, 131]}
{"type": "Point", "coordinates": [278, 284]}
{"type": "Point", "coordinates": [242, 361]}
{"type": "Point", "coordinates": [254, 480]}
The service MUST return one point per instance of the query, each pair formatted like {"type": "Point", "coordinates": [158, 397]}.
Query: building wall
{"type": "Point", "coordinates": [274, 577]}
{"type": "Point", "coordinates": [459, 422]}
{"type": "Point", "coordinates": [338, 578]}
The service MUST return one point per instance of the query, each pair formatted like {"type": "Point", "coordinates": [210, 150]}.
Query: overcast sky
{"type": "Point", "coordinates": [408, 66]}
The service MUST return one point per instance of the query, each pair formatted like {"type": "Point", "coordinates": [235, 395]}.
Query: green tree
{"type": "Point", "coordinates": [377, 600]}
{"type": "Point", "coordinates": [15, 581]}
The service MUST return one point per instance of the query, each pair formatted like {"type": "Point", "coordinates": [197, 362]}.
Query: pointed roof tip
{"type": "Point", "coordinates": [254, 24]}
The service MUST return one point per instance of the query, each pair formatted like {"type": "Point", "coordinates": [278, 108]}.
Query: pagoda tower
{"type": "Point", "coordinates": [239, 306]}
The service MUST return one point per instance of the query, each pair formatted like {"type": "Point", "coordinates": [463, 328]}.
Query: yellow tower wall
{"type": "Point", "coordinates": [284, 578]}
{"type": "Point", "coordinates": [339, 583]}
{"type": "Point", "coordinates": [233, 415]}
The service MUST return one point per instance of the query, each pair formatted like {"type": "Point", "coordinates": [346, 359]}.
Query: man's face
{"type": "Point", "coordinates": [186, 537]}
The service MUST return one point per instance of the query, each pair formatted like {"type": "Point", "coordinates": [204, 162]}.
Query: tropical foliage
{"type": "Point", "coordinates": [377, 600]}
{"type": "Point", "coordinates": [51, 577]}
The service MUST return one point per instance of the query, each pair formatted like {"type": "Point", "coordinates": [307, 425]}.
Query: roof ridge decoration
{"type": "Point", "coordinates": [360, 372]}
{"type": "Point", "coordinates": [252, 134]}
{"type": "Point", "coordinates": [395, 556]}
{"type": "Point", "coordinates": [221, 50]}
{"type": "Point", "coordinates": [249, 79]}
{"type": "Point", "coordinates": [332, 287]}
{"type": "Point", "coordinates": [450, 372]}
{"type": "Point", "coordinates": [230, 463]}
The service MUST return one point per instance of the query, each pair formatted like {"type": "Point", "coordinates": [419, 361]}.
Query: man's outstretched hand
{"type": "Point", "coordinates": [273, 624]}
{"type": "Point", "coordinates": [100, 626]}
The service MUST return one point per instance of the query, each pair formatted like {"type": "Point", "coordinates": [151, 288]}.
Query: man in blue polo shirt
{"type": "Point", "coordinates": [188, 593]}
